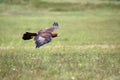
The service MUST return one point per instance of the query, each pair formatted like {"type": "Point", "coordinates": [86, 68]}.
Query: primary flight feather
{"type": "Point", "coordinates": [43, 36]}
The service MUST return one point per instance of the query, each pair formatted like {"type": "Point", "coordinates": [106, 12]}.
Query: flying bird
{"type": "Point", "coordinates": [43, 36]}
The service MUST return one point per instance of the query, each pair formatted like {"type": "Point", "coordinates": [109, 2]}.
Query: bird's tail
{"type": "Point", "coordinates": [55, 25]}
{"type": "Point", "coordinates": [28, 35]}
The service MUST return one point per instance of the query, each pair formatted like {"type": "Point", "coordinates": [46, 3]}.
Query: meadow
{"type": "Point", "coordinates": [87, 46]}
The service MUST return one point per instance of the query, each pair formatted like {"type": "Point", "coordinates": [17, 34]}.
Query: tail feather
{"type": "Point", "coordinates": [55, 25]}
{"type": "Point", "coordinates": [28, 35]}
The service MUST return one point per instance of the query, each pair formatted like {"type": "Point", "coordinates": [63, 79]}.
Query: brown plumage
{"type": "Point", "coordinates": [43, 36]}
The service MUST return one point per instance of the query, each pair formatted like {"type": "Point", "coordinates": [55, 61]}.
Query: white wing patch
{"type": "Point", "coordinates": [39, 41]}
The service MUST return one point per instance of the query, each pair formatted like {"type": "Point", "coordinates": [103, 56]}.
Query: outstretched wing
{"type": "Point", "coordinates": [48, 30]}
{"type": "Point", "coordinates": [43, 36]}
{"type": "Point", "coordinates": [42, 39]}
{"type": "Point", "coordinates": [51, 29]}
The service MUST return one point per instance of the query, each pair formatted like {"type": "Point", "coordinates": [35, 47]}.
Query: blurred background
{"type": "Point", "coordinates": [88, 46]}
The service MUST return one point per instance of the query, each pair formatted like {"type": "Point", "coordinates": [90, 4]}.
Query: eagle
{"type": "Point", "coordinates": [43, 36]}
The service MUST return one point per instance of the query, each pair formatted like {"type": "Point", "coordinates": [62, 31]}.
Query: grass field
{"type": "Point", "coordinates": [88, 46]}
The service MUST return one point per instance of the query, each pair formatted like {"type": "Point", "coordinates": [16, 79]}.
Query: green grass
{"type": "Point", "coordinates": [59, 64]}
{"type": "Point", "coordinates": [21, 6]}
{"type": "Point", "coordinates": [78, 28]}
{"type": "Point", "coordinates": [88, 46]}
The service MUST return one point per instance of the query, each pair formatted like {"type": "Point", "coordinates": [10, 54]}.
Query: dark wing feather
{"type": "Point", "coordinates": [48, 30]}
{"type": "Point", "coordinates": [42, 39]}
